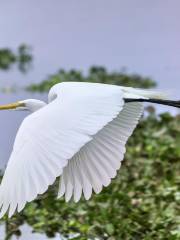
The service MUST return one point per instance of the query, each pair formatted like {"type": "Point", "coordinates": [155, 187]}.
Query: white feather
{"type": "Point", "coordinates": [100, 158]}
{"type": "Point", "coordinates": [51, 136]}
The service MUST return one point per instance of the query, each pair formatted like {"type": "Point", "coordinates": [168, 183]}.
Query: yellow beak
{"type": "Point", "coordinates": [12, 106]}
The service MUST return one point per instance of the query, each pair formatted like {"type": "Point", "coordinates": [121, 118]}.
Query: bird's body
{"type": "Point", "coordinates": [80, 135]}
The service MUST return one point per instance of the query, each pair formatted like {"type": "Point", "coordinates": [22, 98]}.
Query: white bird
{"type": "Point", "coordinates": [80, 135]}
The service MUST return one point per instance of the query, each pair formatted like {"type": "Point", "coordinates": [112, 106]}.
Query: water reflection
{"type": "Point", "coordinates": [28, 235]}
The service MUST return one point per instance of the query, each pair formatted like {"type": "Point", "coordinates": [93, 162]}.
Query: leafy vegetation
{"type": "Point", "coordinates": [22, 58]}
{"type": "Point", "coordinates": [95, 74]}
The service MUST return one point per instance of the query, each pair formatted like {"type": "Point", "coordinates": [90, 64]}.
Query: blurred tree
{"type": "Point", "coordinates": [95, 74]}
{"type": "Point", "coordinates": [22, 58]}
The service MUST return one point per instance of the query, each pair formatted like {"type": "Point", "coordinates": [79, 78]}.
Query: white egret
{"type": "Point", "coordinates": [80, 135]}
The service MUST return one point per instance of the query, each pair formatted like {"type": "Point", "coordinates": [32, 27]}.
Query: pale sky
{"type": "Point", "coordinates": [143, 36]}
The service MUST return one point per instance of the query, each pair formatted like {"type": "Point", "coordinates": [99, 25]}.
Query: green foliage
{"type": "Point", "coordinates": [142, 202]}
{"type": "Point", "coordinates": [95, 74]}
{"type": "Point", "coordinates": [8, 58]}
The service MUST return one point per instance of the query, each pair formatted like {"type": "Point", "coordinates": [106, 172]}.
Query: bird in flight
{"type": "Point", "coordinates": [79, 136]}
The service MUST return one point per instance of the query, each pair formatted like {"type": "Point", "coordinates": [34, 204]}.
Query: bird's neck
{"type": "Point", "coordinates": [34, 105]}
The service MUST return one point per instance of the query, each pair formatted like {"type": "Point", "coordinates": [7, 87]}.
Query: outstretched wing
{"type": "Point", "coordinates": [48, 138]}
{"type": "Point", "coordinates": [98, 161]}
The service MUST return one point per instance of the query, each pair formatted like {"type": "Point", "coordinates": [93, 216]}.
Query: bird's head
{"type": "Point", "coordinates": [31, 105]}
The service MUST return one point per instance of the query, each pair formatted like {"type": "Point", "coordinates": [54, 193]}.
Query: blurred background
{"type": "Point", "coordinates": [133, 43]}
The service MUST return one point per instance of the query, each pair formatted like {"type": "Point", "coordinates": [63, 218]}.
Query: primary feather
{"type": "Point", "coordinates": [97, 161]}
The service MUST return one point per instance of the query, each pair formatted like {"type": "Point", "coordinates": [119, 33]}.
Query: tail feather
{"type": "Point", "coordinates": [146, 93]}
{"type": "Point", "coordinates": [171, 103]}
